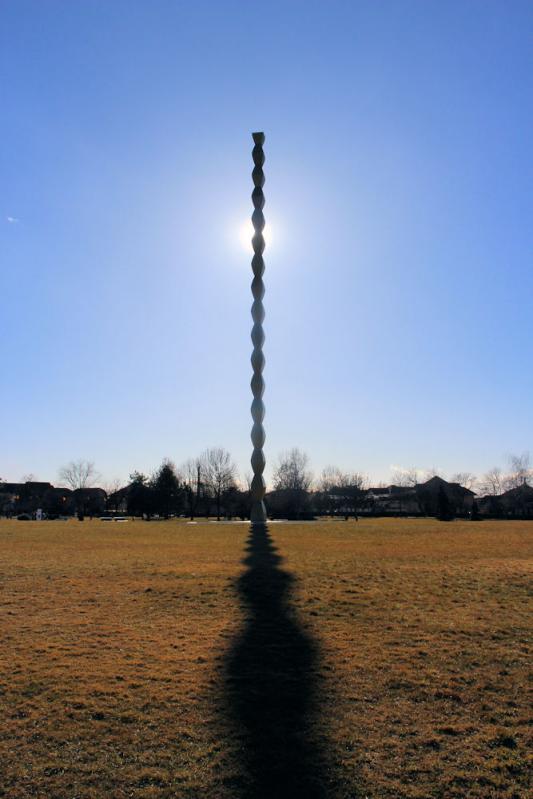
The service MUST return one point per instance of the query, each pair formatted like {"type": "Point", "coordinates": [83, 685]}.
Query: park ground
{"type": "Point", "coordinates": [384, 658]}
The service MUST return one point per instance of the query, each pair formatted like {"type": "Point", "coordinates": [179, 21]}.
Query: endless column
{"type": "Point", "coordinates": [258, 512]}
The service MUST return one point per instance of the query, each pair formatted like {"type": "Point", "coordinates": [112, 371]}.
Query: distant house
{"type": "Point", "coordinates": [516, 503]}
{"type": "Point", "coordinates": [287, 503]}
{"type": "Point", "coordinates": [393, 499]}
{"type": "Point", "coordinates": [59, 502]}
{"type": "Point", "coordinates": [9, 493]}
{"type": "Point", "coordinates": [519, 501]}
{"type": "Point", "coordinates": [378, 493]}
{"type": "Point", "coordinates": [89, 501]}
{"type": "Point", "coordinates": [118, 500]}
{"type": "Point", "coordinates": [422, 499]}
{"type": "Point", "coordinates": [461, 499]}
{"type": "Point", "coordinates": [31, 496]}
{"type": "Point", "coordinates": [490, 506]}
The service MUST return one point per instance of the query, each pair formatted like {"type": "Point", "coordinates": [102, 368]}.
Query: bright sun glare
{"type": "Point", "coordinates": [247, 231]}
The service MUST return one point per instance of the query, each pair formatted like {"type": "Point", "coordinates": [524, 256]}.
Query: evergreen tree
{"type": "Point", "coordinates": [167, 489]}
{"type": "Point", "coordinates": [140, 495]}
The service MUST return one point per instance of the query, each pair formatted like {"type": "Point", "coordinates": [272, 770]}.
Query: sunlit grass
{"type": "Point", "coordinates": [115, 637]}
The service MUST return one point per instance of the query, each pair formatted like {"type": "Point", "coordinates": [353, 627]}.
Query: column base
{"type": "Point", "coordinates": [258, 514]}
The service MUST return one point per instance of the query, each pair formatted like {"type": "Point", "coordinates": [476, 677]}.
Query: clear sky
{"type": "Point", "coordinates": [399, 277]}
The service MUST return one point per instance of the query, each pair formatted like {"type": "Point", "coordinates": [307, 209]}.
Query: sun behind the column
{"type": "Point", "coordinates": [246, 231]}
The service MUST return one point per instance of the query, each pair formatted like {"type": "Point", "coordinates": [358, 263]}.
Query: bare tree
{"type": "Point", "coordinates": [352, 491]}
{"type": "Point", "coordinates": [247, 484]}
{"type": "Point", "coordinates": [520, 471]}
{"type": "Point", "coordinates": [78, 474]}
{"type": "Point", "coordinates": [28, 478]}
{"type": "Point", "coordinates": [356, 480]}
{"type": "Point", "coordinates": [330, 477]}
{"type": "Point", "coordinates": [433, 472]}
{"type": "Point", "coordinates": [341, 490]}
{"type": "Point", "coordinates": [112, 487]}
{"type": "Point", "coordinates": [492, 482]}
{"type": "Point", "coordinates": [293, 477]}
{"type": "Point", "coordinates": [292, 471]}
{"type": "Point", "coordinates": [219, 471]}
{"type": "Point", "coordinates": [465, 479]}
{"type": "Point", "coordinates": [191, 475]}
{"type": "Point", "coordinates": [327, 497]}
{"type": "Point", "coordinates": [407, 478]}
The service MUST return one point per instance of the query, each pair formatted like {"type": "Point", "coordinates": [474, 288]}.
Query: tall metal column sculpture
{"type": "Point", "coordinates": [258, 512]}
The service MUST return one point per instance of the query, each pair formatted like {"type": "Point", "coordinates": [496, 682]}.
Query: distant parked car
{"type": "Point", "coordinates": [24, 517]}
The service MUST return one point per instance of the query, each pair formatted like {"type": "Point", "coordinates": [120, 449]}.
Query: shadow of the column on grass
{"type": "Point", "coordinates": [271, 684]}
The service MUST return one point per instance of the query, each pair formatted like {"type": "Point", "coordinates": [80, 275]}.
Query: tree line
{"type": "Point", "coordinates": [209, 485]}
{"type": "Point", "coordinates": [493, 482]}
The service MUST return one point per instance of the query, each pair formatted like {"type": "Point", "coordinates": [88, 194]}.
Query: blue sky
{"type": "Point", "coordinates": [399, 280]}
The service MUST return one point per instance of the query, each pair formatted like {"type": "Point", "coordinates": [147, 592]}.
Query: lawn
{"type": "Point", "coordinates": [384, 658]}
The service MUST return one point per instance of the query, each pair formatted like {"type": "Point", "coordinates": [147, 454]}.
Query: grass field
{"type": "Point", "coordinates": [385, 658]}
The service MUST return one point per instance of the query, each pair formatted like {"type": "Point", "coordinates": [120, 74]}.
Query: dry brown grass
{"type": "Point", "coordinates": [146, 660]}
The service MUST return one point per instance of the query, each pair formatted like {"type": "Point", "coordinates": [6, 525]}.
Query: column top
{"type": "Point", "coordinates": [259, 137]}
